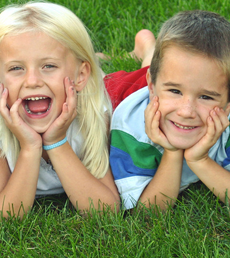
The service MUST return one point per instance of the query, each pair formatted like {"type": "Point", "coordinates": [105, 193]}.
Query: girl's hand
{"type": "Point", "coordinates": [57, 130]}
{"type": "Point", "coordinates": [217, 122]}
{"type": "Point", "coordinates": [152, 123]}
{"type": "Point", "coordinates": [27, 137]}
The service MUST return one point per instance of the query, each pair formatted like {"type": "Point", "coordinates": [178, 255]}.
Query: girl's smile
{"type": "Point", "coordinates": [189, 86]}
{"type": "Point", "coordinates": [33, 67]}
{"type": "Point", "coordinates": [37, 106]}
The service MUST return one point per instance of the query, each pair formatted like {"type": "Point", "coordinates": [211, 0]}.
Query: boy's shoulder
{"type": "Point", "coordinates": [131, 110]}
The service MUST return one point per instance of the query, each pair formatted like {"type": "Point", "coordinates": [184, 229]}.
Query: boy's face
{"type": "Point", "coordinates": [33, 66]}
{"type": "Point", "coordinates": [189, 86]}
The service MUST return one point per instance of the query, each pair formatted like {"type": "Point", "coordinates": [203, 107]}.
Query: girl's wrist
{"type": "Point", "coordinates": [55, 145]}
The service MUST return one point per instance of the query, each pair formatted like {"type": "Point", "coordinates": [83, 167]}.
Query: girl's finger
{"type": "Point", "coordinates": [14, 111]}
{"type": "Point", "coordinates": [71, 98]}
{"type": "Point", "coordinates": [3, 104]}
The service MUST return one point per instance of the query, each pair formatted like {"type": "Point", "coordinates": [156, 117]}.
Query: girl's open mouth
{"type": "Point", "coordinates": [37, 106]}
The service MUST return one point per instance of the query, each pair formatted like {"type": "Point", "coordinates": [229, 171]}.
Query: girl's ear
{"type": "Point", "coordinates": [150, 84]}
{"type": "Point", "coordinates": [83, 76]}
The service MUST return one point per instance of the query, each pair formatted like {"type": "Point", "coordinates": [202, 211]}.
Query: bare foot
{"type": "Point", "coordinates": [144, 47]}
{"type": "Point", "coordinates": [102, 56]}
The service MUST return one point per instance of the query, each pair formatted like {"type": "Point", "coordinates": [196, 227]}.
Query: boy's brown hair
{"type": "Point", "coordinates": [197, 31]}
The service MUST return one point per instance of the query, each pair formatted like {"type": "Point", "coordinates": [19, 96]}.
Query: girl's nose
{"type": "Point", "coordinates": [33, 79]}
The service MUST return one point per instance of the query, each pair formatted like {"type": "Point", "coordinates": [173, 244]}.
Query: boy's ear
{"type": "Point", "coordinates": [150, 84]}
{"type": "Point", "coordinates": [83, 76]}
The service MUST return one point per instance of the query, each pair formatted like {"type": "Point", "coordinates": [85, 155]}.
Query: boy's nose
{"type": "Point", "coordinates": [186, 109]}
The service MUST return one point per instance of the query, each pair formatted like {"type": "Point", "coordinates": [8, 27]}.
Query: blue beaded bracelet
{"type": "Point", "coordinates": [55, 145]}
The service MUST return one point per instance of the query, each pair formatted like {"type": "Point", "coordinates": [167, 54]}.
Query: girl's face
{"type": "Point", "coordinates": [33, 67]}
{"type": "Point", "coordinates": [189, 86]}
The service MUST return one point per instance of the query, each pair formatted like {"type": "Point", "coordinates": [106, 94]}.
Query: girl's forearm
{"type": "Point", "coordinates": [17, 196]}
{"type": "Point", "coordinates": [83, 189]}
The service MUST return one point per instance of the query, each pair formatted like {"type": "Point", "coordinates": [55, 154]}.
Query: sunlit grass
{"type": "Point", "coordinates": [198, 226]}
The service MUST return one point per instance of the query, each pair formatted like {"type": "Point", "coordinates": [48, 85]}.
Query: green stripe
{"type": "Point", "coordinates": [228, 142]}
{"type": "Point", "coordinates": [143, 155]}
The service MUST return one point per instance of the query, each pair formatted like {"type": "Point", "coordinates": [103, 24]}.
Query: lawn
{"type": "Point", "coordinates": [198, 225]}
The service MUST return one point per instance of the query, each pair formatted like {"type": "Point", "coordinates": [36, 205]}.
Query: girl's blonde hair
{"type": "Point", "coordinates": [93, 104]}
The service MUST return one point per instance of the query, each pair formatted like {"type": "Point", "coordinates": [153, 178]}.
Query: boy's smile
{"type": "Point", "coordinates": [33, 67]}
{"type": "Point", "coordinates": [189, 86]}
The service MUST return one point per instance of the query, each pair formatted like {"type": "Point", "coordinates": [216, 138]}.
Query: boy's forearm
{"type": "Point", "coordinates": [215, 177]}
{"type": "Point", "coordinates": [164, 187]}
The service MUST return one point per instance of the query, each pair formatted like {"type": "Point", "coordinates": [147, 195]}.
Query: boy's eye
{"type": "Point", "coordinates": [206, 97]}
{"type": "Point", "coordinates": [175, 91]}
{"type": "Point", "coordinates": [15, 68]}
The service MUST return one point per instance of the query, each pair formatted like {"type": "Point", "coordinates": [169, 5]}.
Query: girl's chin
{"type": "Point", "coordinates": [40, 130]}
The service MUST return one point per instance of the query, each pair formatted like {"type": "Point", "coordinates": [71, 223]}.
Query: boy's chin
{"type": "Point", "coordinates": [182, 145]}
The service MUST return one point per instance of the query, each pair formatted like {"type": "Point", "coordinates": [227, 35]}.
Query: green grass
{"type": "Point", "coordinates": [198, 226]}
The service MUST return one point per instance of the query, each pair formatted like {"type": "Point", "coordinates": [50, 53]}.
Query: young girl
{"type": "Point", "coordinates": [54, 110]}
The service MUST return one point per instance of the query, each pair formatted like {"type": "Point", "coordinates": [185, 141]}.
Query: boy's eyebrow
{"type": "Point", "coordinates": [211, 93]}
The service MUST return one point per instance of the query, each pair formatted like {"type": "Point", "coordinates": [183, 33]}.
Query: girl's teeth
{"type": "Point", "coordinates": [184, 127]}
{"type": "Point", "coordinates": [36, 98]}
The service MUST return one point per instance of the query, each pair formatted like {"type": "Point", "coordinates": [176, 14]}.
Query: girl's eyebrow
{"type": "Point", "coordinates": [42, 59]}
{"type": "Point", "coordinates": [207, 92]}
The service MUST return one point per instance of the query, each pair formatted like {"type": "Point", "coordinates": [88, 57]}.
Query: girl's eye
{"type": "Point", "coordinates": [15, 68]}
{"type": "Point", "coordinates": [49, 66]}
{"type": "Point", "coordinates": [206, 97]}
{"type": "Point", "coordinates": [175, 91]}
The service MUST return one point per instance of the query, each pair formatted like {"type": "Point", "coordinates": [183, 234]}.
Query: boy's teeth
{"type": "Point", "coordinates": [184, 127]}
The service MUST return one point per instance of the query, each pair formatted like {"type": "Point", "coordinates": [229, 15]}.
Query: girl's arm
{"type": "Point", "coordinates": [83, 189]}
{"type": "Point", "coordinates": [17, 190]}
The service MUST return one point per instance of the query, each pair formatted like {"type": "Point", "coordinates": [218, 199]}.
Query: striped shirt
{"type": "Point", "coordinates": [134, 158]}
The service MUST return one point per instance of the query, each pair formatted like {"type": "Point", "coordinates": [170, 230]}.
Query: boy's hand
{"type": "Point", "coordinates": [217, 122]}
{"type": "Point", "coordinates": [57, 130]}
{"type": "Point", "coordinates": [28, 138]}
{"type": "Point", "coordinates": [152, 123]}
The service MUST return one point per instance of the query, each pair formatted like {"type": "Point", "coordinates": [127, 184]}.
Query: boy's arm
{"type": "Point", "coordinates": [164, 187]}
{"type": "Point", "coordinates": [215, 177]}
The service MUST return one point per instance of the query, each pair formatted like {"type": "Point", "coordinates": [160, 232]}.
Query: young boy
{"type": "Point", "coordinates": [175, 131]}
